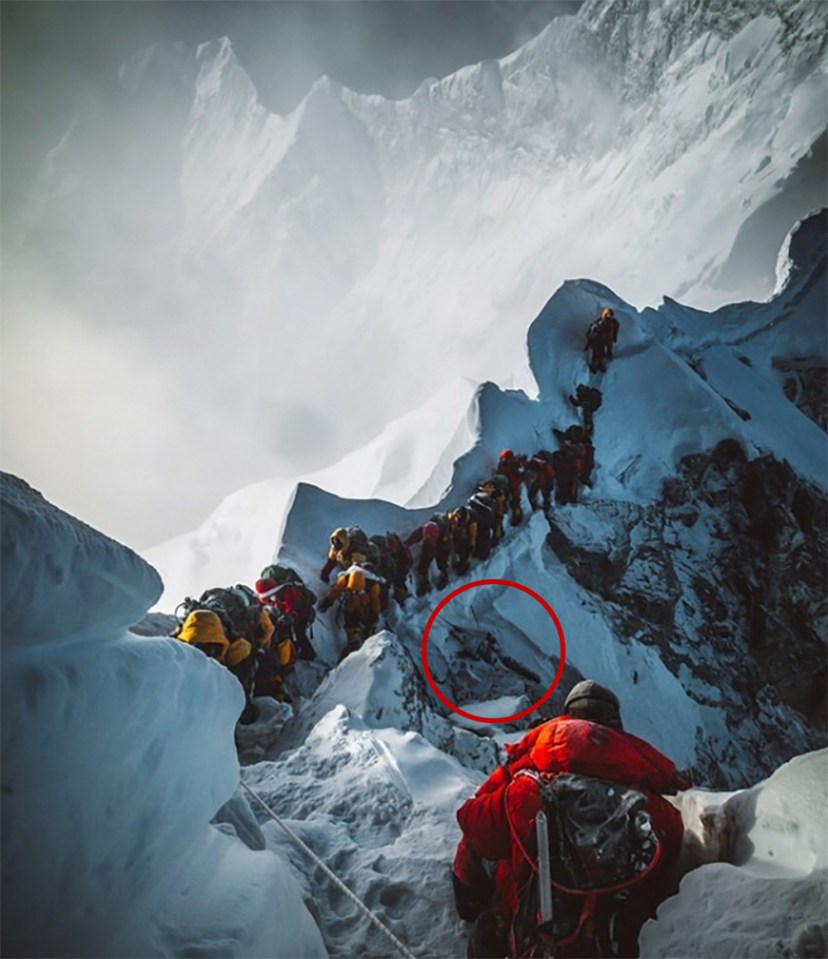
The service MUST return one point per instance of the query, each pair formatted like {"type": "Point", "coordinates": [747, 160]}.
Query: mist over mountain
{"type": "Point", "coordinates": [276, 289]}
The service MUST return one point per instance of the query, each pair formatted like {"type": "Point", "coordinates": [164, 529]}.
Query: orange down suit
{"type": "Point", "coordinates": [562, 745]}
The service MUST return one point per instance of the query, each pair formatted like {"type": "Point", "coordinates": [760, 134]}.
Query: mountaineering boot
{"type": "Point", "coordinates": [488, 938]}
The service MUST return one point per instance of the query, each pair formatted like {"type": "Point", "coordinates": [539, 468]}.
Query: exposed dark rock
{"type": "Point", "coordinates": [726, 575]}
{"type": "Point", "coordinates": [806, 386]}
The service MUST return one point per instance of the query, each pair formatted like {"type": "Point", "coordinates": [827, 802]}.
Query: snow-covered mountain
{"type": "Point", "coordinates": [690, 579]}
{"type": "Point", "coordinates": [363, 274]}
{"type": "Point", "coordinates": [117, 750]}
{"type": "Point", "coordinates": [357, 247]}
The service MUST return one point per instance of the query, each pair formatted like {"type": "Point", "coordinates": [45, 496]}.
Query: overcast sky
{"type": "Point", "coordinates": [67, 345]}
{"type": "Point", "coordinates": [55, 54]}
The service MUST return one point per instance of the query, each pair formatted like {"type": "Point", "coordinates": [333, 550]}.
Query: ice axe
{"type": "Point", "coordinates": [544, 870]}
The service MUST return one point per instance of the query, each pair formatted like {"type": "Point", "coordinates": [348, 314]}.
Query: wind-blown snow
{"type": "Point", "coordinates": [61, 579]}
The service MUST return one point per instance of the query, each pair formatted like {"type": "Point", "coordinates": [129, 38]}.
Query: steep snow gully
{"type": "Point", "coordinates": [689, 578]}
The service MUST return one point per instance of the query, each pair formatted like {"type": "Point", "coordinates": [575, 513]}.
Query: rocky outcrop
{"type": "Point", "coordinates": [806, 386]}
{"type": "Point", "coordinates": [726, 576]}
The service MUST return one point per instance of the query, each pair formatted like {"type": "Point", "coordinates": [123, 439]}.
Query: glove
{"type": "Point", "coordinates": [325, 577]}
{"type": "Point", "coordinates": [468, 902]}
{"type": "Point", "coordinates": [324, 606]}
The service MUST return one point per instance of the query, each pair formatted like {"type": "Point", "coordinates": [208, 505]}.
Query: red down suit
{"type": "Point", "coordinates": [507, 803]}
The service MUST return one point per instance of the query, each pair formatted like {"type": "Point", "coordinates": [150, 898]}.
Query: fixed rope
{"type": "Point", "coordinates": [330, 874]}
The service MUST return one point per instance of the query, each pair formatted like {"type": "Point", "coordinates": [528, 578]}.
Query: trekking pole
{"type": "Point", "coordinates": [544, 872]}
{"type": "Point", "coordinates": [330, 874]}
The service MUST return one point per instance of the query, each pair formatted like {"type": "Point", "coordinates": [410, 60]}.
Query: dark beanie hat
{"type": "Point", "coordinates": [589, 700]}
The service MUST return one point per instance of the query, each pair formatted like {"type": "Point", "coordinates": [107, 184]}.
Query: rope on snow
{"type": "Point", "coordinates": [330, 874]}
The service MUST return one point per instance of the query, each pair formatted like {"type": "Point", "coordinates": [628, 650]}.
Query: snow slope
{"type": "Point", "coordinates": [770, 896]}
{"type": "Point", "coordinates": [108, 786]}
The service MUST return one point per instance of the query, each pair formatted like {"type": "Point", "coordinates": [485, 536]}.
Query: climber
{"type": "Point", "coordinates": [512, 467]}
{"type": "Point", "coordinates": [382, 559]}
{"type": "Point", "coordinates": [358, 589]}
{"type": "Point", "coordinates": [348, 546]}
{"type": "Point", "coordinates": [277, 658]}
{"type": "Point", "coordinates": [567, 468]}
{"type": "Point", "coordinates": [497, 489]}
{"type": "Point", "coordinates": [589, 399]}
{"type": "Point", "coordinates": [403, 561]}
{"type": "Point", "coordinates": [578, 447]}
{"type": "Point", "coordinates": [498, 822]}
{"type": "Point", "coordinates": [609, 319]}
{"type": "Point", "coordinates": [483, 510]}
{"type": "Point", "coordinates": [600, 339]}
{"type": "Point", "coordinates": [435, 546]}
{"type": "Point", "coordinates": [203, 629]}
{"type": "Point", "coordinates": [288, 601]}
{"type": "Point", "coordinates": [540, 479]}
{"type": "Point", "coordinates": [464, 537]}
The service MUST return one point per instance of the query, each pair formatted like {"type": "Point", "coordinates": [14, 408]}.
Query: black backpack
{"type": "Point", "coordinates": [357, 540]}
{"type": "Point", "coordinates": [588, 397]}
{"type": "Point", "coordinates": [400, 553]}
{"type": "Point", "coordinates": [442, 520]}
{"type": "Point", "coordinates": [305, 608]}
{"type": "Point", "coordinates": [237, 607]}
{"type": "Point", "coordinates": [281, 575]}
{"type": "Point", "coordinates": [382, 557]}
{"type": "Point", "coordinates": [482, 507]}
{"type": "Point", "coordinates": [601, 843]}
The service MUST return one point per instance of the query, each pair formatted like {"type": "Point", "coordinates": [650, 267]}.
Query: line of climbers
{"type": "Point", "coordinates": [374, 569]}
{"type": "Point", "coordinates": [257, 634]}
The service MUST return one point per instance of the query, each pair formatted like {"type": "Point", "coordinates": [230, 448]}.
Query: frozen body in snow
{"type": "Point", "coordinates": [116, 754]}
